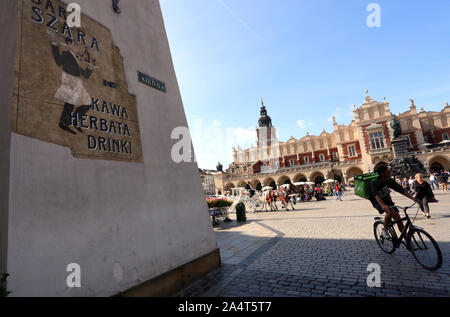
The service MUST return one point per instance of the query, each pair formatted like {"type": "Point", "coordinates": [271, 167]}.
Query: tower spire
{"type": "Point", "coordinates": [264, 120]}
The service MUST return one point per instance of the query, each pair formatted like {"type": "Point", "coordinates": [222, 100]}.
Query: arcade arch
{"type": "Point", "coordinates": [229, 186]}
{"type": "Point", "coordinates": [438, 163]}
{"type": "Point", "coordinates": [284, 180]}
{"type": "Point", "coordinates": [270, 182]}
{"type": "Point", "coordinates": [256, 184]}
{"type": "Point", "coordinates": [353, 171]}
{"type": "Point", "coordinates": [300, 178]}
{"type": "Point", "coordinates": [337, 173]}
{"type": "Point", "coordinates": [317, 177]}
{"type": "Point", "coordinates": [242, 184]}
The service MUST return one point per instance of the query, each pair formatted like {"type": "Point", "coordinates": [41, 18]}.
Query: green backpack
{"type": "Point", "coordinates": [362, 184]}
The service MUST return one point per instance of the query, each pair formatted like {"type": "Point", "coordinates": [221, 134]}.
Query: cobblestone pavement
{"type": "Point", "coordinates": [322, 249]}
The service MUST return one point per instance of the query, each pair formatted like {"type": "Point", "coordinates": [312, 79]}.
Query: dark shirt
{"type": "Point", "coordinates": [377, 187]}
{"type": "Point", "coordinates": [422, 190]}
{"type": "Point", "coordinates": [69, 63]}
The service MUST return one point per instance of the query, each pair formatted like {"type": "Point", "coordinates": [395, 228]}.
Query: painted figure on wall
{"type": "Point", "coordinates": [72, 92]}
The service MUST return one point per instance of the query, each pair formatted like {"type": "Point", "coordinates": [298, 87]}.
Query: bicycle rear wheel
{"type": "Point", "coordinates": [425, 249]}
{"type": "Point", "coordinates": [249, 206]}
{"type": "Point", "coordinates": [258, 205]}
{"type": "Point", "coordinates": [387, 245]}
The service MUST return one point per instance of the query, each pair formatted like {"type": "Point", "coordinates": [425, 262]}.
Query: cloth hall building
{"type": "Point", "coordinates": [348, 151]}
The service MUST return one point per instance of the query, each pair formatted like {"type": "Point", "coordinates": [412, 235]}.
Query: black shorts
{"type": "Point", "coordinates": [380, 210]}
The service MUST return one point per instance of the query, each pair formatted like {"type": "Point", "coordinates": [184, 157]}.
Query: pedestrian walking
{"type": "Point", "coordinates": [274, 201]}
{"type": "Point", "coordinates": [411, 184]}
{"type": "Point", "coordinates": [288, 201]}
{"type": "Point", "coordinates": [443, 180]}
{"type": "Point", "coordinates": [294, 199]}
{"type": "Point", "coordinates": [266, 197]}
{"type": "Point", "coordinates": [405, 184]}
{"type": "Point", "coordinates": [424, 194]}
{"type": "Point", "coordinates": [434, 184]}
{"type": "Point", "coordinates": [338, 192]}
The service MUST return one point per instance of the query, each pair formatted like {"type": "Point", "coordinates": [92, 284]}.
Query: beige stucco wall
{"type": "Point", "coordinates": [8, 26]}
{"type": "Point", "coordinates": [123, 223]}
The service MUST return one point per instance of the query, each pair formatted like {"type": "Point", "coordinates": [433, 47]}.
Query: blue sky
{"type": "Point", "coordinates": [308, 59]}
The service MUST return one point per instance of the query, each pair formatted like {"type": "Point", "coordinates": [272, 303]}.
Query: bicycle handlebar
{"type": "Point", "coordinates": [406, 208]}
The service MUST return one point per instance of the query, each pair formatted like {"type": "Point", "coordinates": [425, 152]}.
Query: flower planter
{"type": "Point", "coordinates": [218, 214]}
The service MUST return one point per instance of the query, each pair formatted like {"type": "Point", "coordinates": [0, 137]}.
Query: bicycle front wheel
{"type": "Point", "coordinates": [424, 249]}
{"type": "Point", "coordinates": [387, 245]}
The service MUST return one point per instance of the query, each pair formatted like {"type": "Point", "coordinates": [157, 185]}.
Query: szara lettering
{"type": "Point", "coordinates": [45, 11]}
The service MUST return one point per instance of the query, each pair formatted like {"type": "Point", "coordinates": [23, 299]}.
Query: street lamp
{"type": "Point", "coordinates": [336, 177]}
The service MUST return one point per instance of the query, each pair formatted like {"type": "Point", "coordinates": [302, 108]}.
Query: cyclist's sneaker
{"type": "Point", "coordinates": [385, 234]}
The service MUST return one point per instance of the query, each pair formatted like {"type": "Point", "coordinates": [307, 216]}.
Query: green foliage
{"type": "Point", "coordinates": [3, 290]}
{"type": "Point", "coordinates": [218, 203]}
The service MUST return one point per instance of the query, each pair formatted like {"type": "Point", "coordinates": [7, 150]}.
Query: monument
{"type": "Point", "coordinates": [87, 178]}
{"type": "Point", "coordinates": [403, 165]}
{"type": "Point", "coordinates": [399, 144]}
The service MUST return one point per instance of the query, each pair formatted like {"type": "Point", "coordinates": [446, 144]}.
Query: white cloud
{"type": "Point", "coordinates": [217, 123]}
{"type": "Point", "coordinates": [213, 142]}
{"type": "Point", "coordinates": [245, 137]}
{"type": "Point", "coordinates": [301, 123]}
{"type": "Point", "coordinates": [342, 114]}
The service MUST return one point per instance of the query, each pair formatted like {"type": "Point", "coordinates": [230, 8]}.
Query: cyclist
{"type": "Point", "coordinates": [380, 197]}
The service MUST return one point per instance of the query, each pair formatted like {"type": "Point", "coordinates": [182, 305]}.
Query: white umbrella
{"type": "Point", "coordinates": [310, 183]}
{"type": "Point", "coordinates": [267, 188]}
{"type": "Point", "coordinates": [299, 184]}
{"type": "Point", "coordinates": [329, 181]}
{"type": "Point", "coordinates": [445, 142]}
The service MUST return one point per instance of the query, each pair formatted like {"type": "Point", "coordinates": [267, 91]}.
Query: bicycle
{"type": "Point", "coordinates": [251, 205]}
{"type": "Point", "coordinates": [416, 240]}
{"type": "Point", "coordinates": [254, 204]}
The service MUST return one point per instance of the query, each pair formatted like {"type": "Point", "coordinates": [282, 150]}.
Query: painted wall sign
{"type": "Point", "coordinates": [109, 84]}
{"type": "Point", "coordinates": [116, 6]}
{"type": "Point", "coordinates": [60, 90]}
{"type": "Point", "coordinates": [152, 82]}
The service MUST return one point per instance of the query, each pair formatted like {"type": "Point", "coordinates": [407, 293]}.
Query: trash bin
{"type": "Point", "coordinates": [240, 212]}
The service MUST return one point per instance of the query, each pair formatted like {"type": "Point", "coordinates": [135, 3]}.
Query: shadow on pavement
{"type": "Point", "coordinates": [286, 266]}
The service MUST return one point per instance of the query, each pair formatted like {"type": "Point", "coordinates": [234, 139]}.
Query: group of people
{"type": "Point", "coordinates": [439, 180]}
{"type": "Point", "coordinates": [290, 195]}
{"type": "Point", "coordinates": [436, 181]}
{"type": "Point", "coordinates": [286, 197]}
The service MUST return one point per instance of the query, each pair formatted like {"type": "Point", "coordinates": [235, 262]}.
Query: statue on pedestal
{"type": "Point", "coordinates": [406, 167]}
{"type": "Point", "coordinates": [395, 126]}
